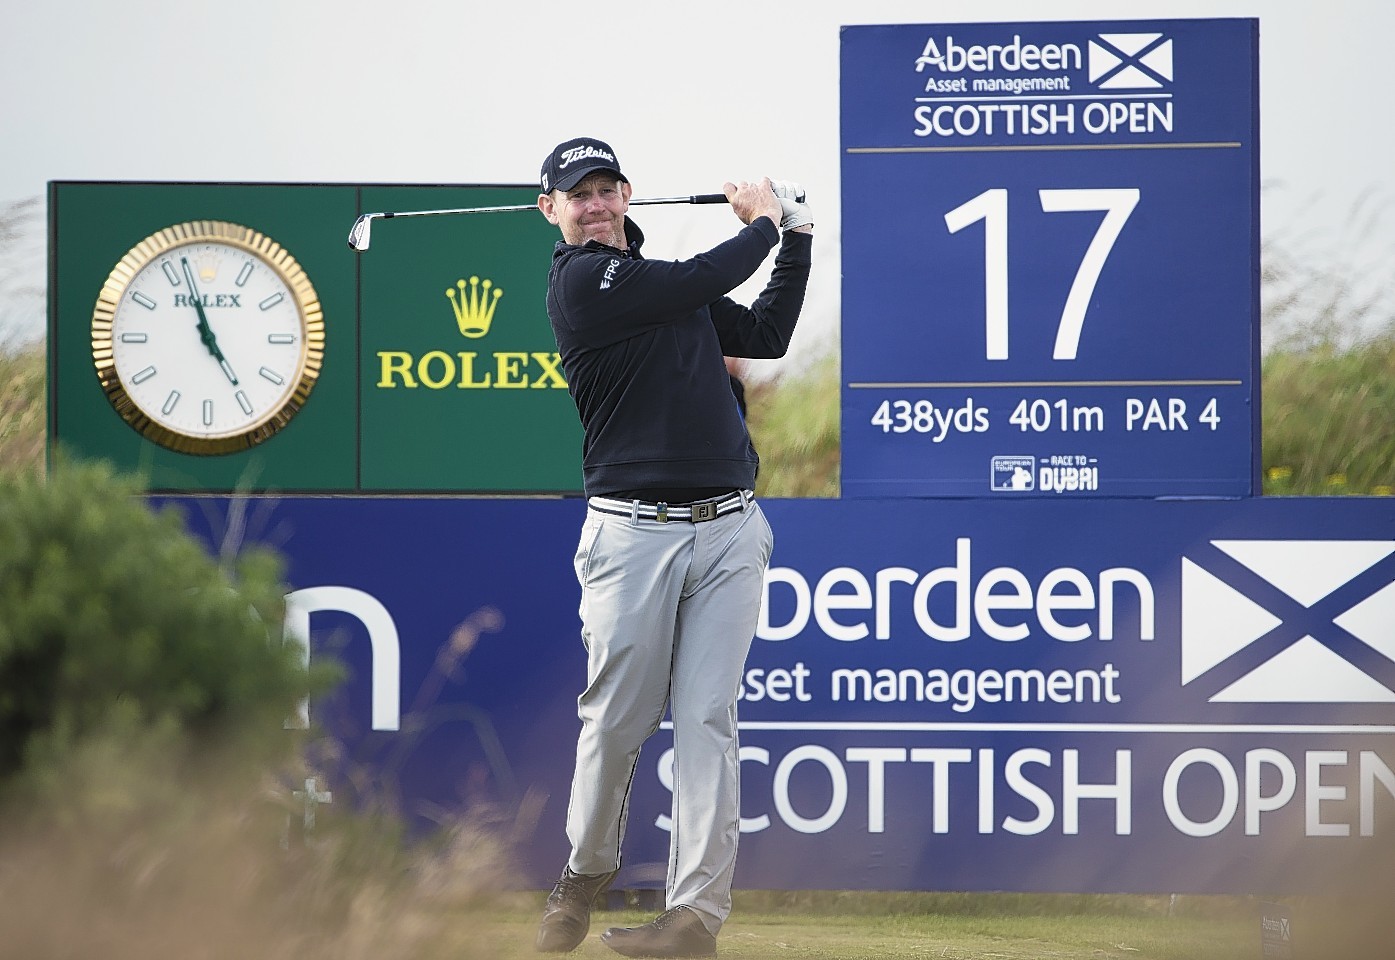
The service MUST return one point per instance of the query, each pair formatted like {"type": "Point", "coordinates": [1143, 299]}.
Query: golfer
{"type": "Point", "coordinates": [674, 547]}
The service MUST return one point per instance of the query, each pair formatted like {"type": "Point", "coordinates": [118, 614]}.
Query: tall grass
{"type": "Point", "coordinates": [23, 409]}
{"type": "Point", "coordinates": [1327, 422]}
{"type": "Point", "coordinates": [794, 424]}
{"type": "Point", "coordinates": [1321, 290]}
{"type": "Point", "coordinates": [1328, 336]}
{"type": "Point", "coordinates": [139, 848]}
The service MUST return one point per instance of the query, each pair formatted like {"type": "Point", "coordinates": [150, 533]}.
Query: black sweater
{"type": "Point", "coordinates": [642, 343]}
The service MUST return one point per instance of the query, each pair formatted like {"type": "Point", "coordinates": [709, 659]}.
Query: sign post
{"type": "Point", "coordinates": [439, 372]}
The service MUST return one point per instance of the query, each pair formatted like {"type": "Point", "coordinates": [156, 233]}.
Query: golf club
{"type": "Point", "coordinates": [359, 233]}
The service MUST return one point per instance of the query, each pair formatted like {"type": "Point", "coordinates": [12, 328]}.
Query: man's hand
{"type": "Point", "coordinates": [796, 212]}
{"type": "Point", "coordinates": [751, 200]}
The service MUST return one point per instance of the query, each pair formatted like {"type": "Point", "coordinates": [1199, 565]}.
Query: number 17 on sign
{"type": "Point", "coordinates": [991, 207]}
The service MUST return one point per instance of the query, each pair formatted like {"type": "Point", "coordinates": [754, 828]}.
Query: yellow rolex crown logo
{"type": "Point", "coordinates": [474, 308]}
{"type": "Point", "coordinates": [206, 265]}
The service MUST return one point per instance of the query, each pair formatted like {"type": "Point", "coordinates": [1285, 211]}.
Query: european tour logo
{"type": "Point", "coordinates": [473, 304]}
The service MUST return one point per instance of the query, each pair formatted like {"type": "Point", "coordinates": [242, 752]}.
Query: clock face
{"type": "Point", "coordinates": [207, 337]}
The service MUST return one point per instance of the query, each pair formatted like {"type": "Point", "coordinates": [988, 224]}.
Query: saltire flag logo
{"type": "Point", "coordinates": [1290, 621]}
{"type": "Point", "coordinates": [1130, 61]}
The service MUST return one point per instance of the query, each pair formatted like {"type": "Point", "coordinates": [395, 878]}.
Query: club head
{"type": "Point", "coordinates": [359, 233]}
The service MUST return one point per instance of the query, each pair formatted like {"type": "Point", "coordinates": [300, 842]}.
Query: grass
{"type": "Point", "coordinates": [882, 926]}
{"type": "Point", "coordinates": [794, 423]}
{"type": "Point", "coordinates": [1326, 419]}
{"type": "Point", "coordinates": [143, 845]}
{"type": "Point", "coordinates": [1327, 428]}
{"type": "Point", "coordinates": [23, 409]}
{"type": "Point", "coordinates": [829, 925]}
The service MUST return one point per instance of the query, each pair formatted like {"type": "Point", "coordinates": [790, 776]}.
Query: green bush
{"type": "Point", "coordinates": [146, 780]}
{"type": "Point", "coordinates": [112, 613]}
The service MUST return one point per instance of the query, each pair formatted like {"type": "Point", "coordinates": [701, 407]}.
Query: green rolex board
{"type": "Point", "coordinates": [438, 373]}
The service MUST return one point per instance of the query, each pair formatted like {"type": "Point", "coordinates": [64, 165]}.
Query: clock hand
{"type": "Point", "coordinates": [205, 331]}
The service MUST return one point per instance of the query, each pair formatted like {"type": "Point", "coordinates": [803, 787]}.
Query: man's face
{"type": "Point", "coordinates": [594, 209]}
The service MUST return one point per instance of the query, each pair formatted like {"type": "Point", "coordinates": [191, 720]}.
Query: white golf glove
{"type": "Point", "coordinates": [795, 212]}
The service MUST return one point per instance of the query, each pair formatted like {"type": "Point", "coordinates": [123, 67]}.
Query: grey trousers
{"type": "Point", "coordinates": [668, 611]}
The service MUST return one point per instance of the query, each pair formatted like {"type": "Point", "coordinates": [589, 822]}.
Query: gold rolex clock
{"type": "Point", "coordinates": [207, 337]}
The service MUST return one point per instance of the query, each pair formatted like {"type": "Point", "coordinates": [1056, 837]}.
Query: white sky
{"type": "Point", "coordinates": [430, 91]}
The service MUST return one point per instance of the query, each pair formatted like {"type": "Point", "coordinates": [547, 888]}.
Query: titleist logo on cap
{"type": "Point", "coordinates": [573, 160]}
{"type": "Point", "coordinates": [581, 153]}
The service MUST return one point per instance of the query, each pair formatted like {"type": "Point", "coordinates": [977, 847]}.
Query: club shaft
{"type": "Point", "coordinates": [359, 235]}
{"type": "Point", "coordinates": [520, 207]}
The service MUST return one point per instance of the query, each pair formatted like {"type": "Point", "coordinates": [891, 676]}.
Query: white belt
{"type": "Point", "coordinates": [699, 512]}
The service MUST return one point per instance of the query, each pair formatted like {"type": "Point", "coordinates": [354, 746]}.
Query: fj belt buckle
{"type": "Point", "coordinates": [704, 511]}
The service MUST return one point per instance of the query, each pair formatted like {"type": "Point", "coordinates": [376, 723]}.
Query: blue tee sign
{"type": "Point", "coordinates": [1050, 259]}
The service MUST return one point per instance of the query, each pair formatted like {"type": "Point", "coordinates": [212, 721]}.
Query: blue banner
{"type": "Point", "coordinates": [1085, 696]}
{"type": "Point", "coordinates": [1050, 259]}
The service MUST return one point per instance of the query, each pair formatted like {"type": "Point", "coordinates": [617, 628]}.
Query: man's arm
{"type": "Point", "coordinates": [606, 298]}
{"type": "Point", "coordinates": [763, 331]}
